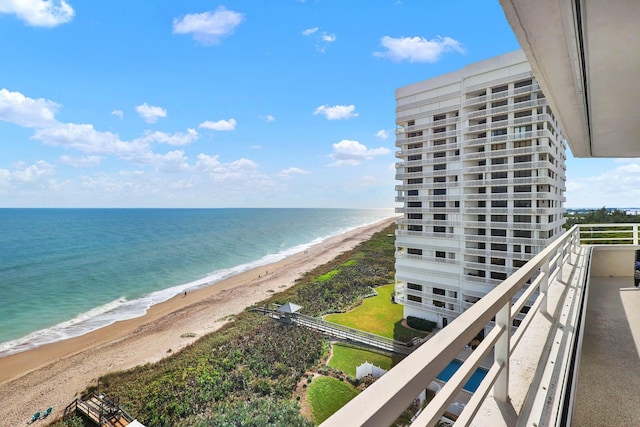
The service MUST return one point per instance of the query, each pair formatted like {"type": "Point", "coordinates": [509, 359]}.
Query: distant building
{"type": "Point", "coordinates": [482, 172]}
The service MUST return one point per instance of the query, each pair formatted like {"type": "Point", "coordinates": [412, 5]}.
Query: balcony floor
{"type": "Point", "coordinates": [609, 375]}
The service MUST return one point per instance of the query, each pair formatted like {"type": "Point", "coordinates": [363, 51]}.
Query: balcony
{"type": "Point", "coordinates": [572, 361]}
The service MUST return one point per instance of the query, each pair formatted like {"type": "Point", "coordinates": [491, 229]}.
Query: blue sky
{"type": "Point", "coordinates": [281, 103]}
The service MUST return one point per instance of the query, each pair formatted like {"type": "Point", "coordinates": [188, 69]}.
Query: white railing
{"type": "Point", "coordinates": [385, 400]}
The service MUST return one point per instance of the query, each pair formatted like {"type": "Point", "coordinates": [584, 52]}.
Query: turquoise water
{"type": "Point", "coordinates": [64, 272]}
{"type": "Point", "coordinates": [472, 384]}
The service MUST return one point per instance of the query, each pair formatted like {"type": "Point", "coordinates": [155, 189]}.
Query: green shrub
{"type": "Point", "coordinates": [421, 324]}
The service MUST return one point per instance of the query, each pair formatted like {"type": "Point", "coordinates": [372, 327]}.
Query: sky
{"type": "Point", "coordinates": [274, 103]}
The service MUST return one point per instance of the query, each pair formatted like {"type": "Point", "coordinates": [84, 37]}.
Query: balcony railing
{"type": "Point", "coordinates": [556, 278]}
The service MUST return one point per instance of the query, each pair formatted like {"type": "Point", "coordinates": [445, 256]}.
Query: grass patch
{"type": "Point", "coordinates": [346, 358]}
{"type": "Point", "coordinates": [326, 395]}
{"type": "Point", "coordinates": [327, 276]}
{"type": "Point", "coordinates": [377, 315]}
{"type": "Point", "coordinates": [350, 262]}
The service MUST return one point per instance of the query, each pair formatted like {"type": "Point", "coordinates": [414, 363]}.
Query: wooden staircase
{"type": "Point", "coordinates": [100, 410]}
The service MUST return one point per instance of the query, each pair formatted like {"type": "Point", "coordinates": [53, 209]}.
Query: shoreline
{"type": "Point", "coordinates": [54, 374]}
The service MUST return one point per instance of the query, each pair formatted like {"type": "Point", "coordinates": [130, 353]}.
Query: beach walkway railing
{"type": "Point", "coordinates": [343, 332]}
{"type": "Point", "coordinates": [100, 410]}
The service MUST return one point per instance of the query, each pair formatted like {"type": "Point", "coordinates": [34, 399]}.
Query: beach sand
{"type": "Point", "coordinates": [54, 374]}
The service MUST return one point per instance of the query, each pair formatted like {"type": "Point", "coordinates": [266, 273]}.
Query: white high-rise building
{"type": "Point", "coordinates": [482, 172]}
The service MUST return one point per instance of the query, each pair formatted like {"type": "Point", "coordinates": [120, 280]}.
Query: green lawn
{"type": "Point", "coordinates": [326, 395]}
{"type": "Point", "coordinates": [377, 315]}
{"type": "Point", "coordinates": [346, 358]}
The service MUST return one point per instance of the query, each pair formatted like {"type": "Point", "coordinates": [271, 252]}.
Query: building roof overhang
{"type": "Point", "coordinates": [584, 54]}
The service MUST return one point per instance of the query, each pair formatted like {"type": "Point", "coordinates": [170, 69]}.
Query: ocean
{"type": "Point", "coordinates": [65, 272]}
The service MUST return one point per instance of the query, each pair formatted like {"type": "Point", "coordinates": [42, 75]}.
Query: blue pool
{"type": "Point", "coordinates": [473, 382]}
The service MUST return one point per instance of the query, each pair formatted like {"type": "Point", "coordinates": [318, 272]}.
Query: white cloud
{"type": "Point", "coordinates": [418, 49]}
{"type": "Point", "coordinates": [309, 31]}
{"type": "Point", "coordinates": [288, 173]}
{"type": "Point", "coordinates": [27, 112]}
{"type": "Point", "coordinates": [39, 13]}
{"type": "Point", "coordinates": [256, 147]}
{"type": "Point", "coordinates": [177, 138]}
{"type": "Point", "coordinates": [171, 162]}
{"type": "Point", "coordinates": [336, 112]}
{"type": "Point", "coordinates": [149, 113]}
{"type": "Point", "coordinates": [269, 118]}
{"type": "Point", "coordinates": [352, 153]}
{"type": "Point", "coordinates": [597, 191]}
{"type": "Point", "coordinates": [220, 125]}
{"type": "Point", "coordinates": [382, 134]}
{"type": "Point", "coordinates": [329, 38]}
{"type": "Point", "coordinates": [208, 27]}
{"type": "Point", "coordinates": [80, 162]}
{"type": "Point", "coordinates": [322, 39]}
{"type": "Point", "coordinates": [37, 172]}
{"type": "Point", "coordinates": [118, 113]}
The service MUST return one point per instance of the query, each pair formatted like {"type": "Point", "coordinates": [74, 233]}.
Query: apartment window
{"type": "Point", "coordinates": [414, 204]}
{"type": "Point", "coordinates": [414, 251]}
{"type": "Point", "coordinates": [498, 89]}
{"type": "Point", "coordinates": [521, 144]}
{"type": "Point", "coordinates": [440, 192]}
{"type": "Point", "coordinates": [414, 287]}
{"type": "Point", "coordinates": [441, 254]}
{"type": "Point", "coordinates": [523, 83]}
{"type": "Point", "coordinates": [521, 159]}
{"type": "Point", "coordinates": [498, 261]}
{"type": "Point", "coordinates": [414, 216]}
{"type": "Point", "coordinates": [438, 291]}
{"type": "Point", "coordinates": [412, 193]}
{"type": "Point", "coordinates": [482, 204]}
{"type": "Point", "coordinates": [498, 232]}
{"type": "Point", "coordinates": [522, 203]}
{"type": "Point", "coordinates": [440, 217]}
{"type": "Point", "coordinates": [414, 298]}
{"type": "Point", "coordinates": [439, 142]}
{"type": "Point", "coordinates": [522, 234]}
{"type": "Point", "coordinates": [438, 229]}
{"type": "Point", "coordinates": [414, 181]}
{"type": "Point", "coordinates": [499, 189]}
{"type": "Point", "coordinates": [414, 228]}
{"type": "Point", "coordinates": [499, 247]}
{"type": "Point", "coordinates": [519, 263]}
{"type": "Point", "coordinates": [414, 134]}
{"type": "Point", "coordinates": [440, 167]}
{"type": "Point", "coordinates": [523, 98]}
{"type": "Point", "coordinates": [439, 154]}
{"type": "Point", "coordinates": [522, 218]}
{"type": "Point", "coordinates": [438, 303]}
{"type": "Point", "coordinates": [516, 248]}
{"type": "Point", "coordinates": [440, 129]}
{"type": "Point", "coordinates": [439, 117]}
{"type": "Point", "coordinates": [499, 103]}
{"type": "Point", "coordinates": [482, 218]}
{"type": "Point", "coordinates": [498, 203]}
{"type": "Point", "coordinates": [414, 146]}
{"type": "Point", "coordinates": [499, 161]}
{"type": "Point", "coordinates": [439, 204]}
{"type": "Point", "coordinates": [414, 169]}
{"type": "Point", "coordinates": [440, 179]}
{"type": "Point", "coordinates": [499, 276]}
{"type": "Point", "coordinates": [527, 249]}
{"type": "Point", "coordinates": [498, 175]}
{"type": "Point", "coordinates": [499, 132]}
{"type": "Point", "coordinates": [522, 189]}
{"type": "Point", "coordinates": [415, 157]}
{"type": "Point", "coordinates": [522, 173]}
{"type": "Point", "coordinates": [496, 147]}
{"type": "Point", "coordinates": [411, 123]}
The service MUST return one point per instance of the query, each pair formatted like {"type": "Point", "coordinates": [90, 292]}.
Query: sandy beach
{"type": "Point", "coordinates": [54, 374]}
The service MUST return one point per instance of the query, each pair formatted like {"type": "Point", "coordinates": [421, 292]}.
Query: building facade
{"type": "Point", "coordinates": [482, 181]}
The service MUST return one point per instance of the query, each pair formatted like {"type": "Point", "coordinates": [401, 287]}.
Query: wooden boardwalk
{"type": "Point", "coordinates": [100, 410]}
